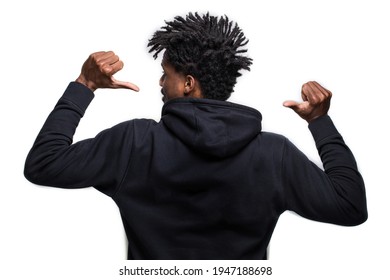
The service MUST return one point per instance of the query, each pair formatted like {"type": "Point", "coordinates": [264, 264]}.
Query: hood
{"type": "Point", "coordinates": [213, 127]}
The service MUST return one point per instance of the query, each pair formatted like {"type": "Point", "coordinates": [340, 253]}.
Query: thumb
{"type": "Point", "coordinates": [125, 85]}
{"type": "Point", "coordinates": [302, 109]}
{"type": "Point", "coordinates": [290, 104]}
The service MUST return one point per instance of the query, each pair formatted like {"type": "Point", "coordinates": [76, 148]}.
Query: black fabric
{"type": "Point", "coordinates": [203, 183]}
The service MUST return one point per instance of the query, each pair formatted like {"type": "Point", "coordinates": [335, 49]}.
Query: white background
{"type": "Point", "coordinates": [49, 233]}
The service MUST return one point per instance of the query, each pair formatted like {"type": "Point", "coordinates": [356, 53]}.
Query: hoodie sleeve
{"type": "Point", "coordinates": [55, 161]}
{"type": "Point", "coordinates": [333, 195]}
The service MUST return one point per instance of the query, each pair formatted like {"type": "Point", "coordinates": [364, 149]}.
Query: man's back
{"type": "Point", "coordinates": [201, 187]}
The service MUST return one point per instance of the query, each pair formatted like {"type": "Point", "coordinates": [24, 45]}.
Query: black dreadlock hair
{"type": "Point", "coordinates": [206, 47]}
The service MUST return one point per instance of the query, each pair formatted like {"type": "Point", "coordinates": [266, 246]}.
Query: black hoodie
{"type": "Point", "coordinates": [203, 183]}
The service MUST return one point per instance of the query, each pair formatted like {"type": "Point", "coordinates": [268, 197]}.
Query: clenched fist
{"type": "Point", "coordinates": [316, 102]}
{"type": "Point", "coordinates": [98, 70]}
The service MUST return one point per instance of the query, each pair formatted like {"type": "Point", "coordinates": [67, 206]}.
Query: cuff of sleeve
{"type": "Point", "coordinates": [79, 95]}
{"type": "Point", "coordinates": [321, 128]}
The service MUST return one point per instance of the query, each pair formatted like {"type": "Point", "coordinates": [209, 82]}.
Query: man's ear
{"type": "Point", "coordinates": [189, 86]}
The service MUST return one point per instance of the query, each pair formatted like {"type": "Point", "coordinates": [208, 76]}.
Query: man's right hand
{"type": "Point", "coordinates": [98, 70]}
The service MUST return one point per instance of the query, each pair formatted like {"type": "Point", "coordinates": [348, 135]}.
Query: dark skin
{"type": "Point", "coordinates": [316, 102]}
{"type": "Point", "coordinates": [99, 69]}
{"type": "Point", "coordinates": [176, 85]}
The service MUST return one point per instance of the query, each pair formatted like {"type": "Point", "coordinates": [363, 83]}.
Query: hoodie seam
{"type": "Point", "coordinates": [196, 123]}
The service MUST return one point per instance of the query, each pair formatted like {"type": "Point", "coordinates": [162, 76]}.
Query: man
{"type": "Point", "coordinates": [205, 182]}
